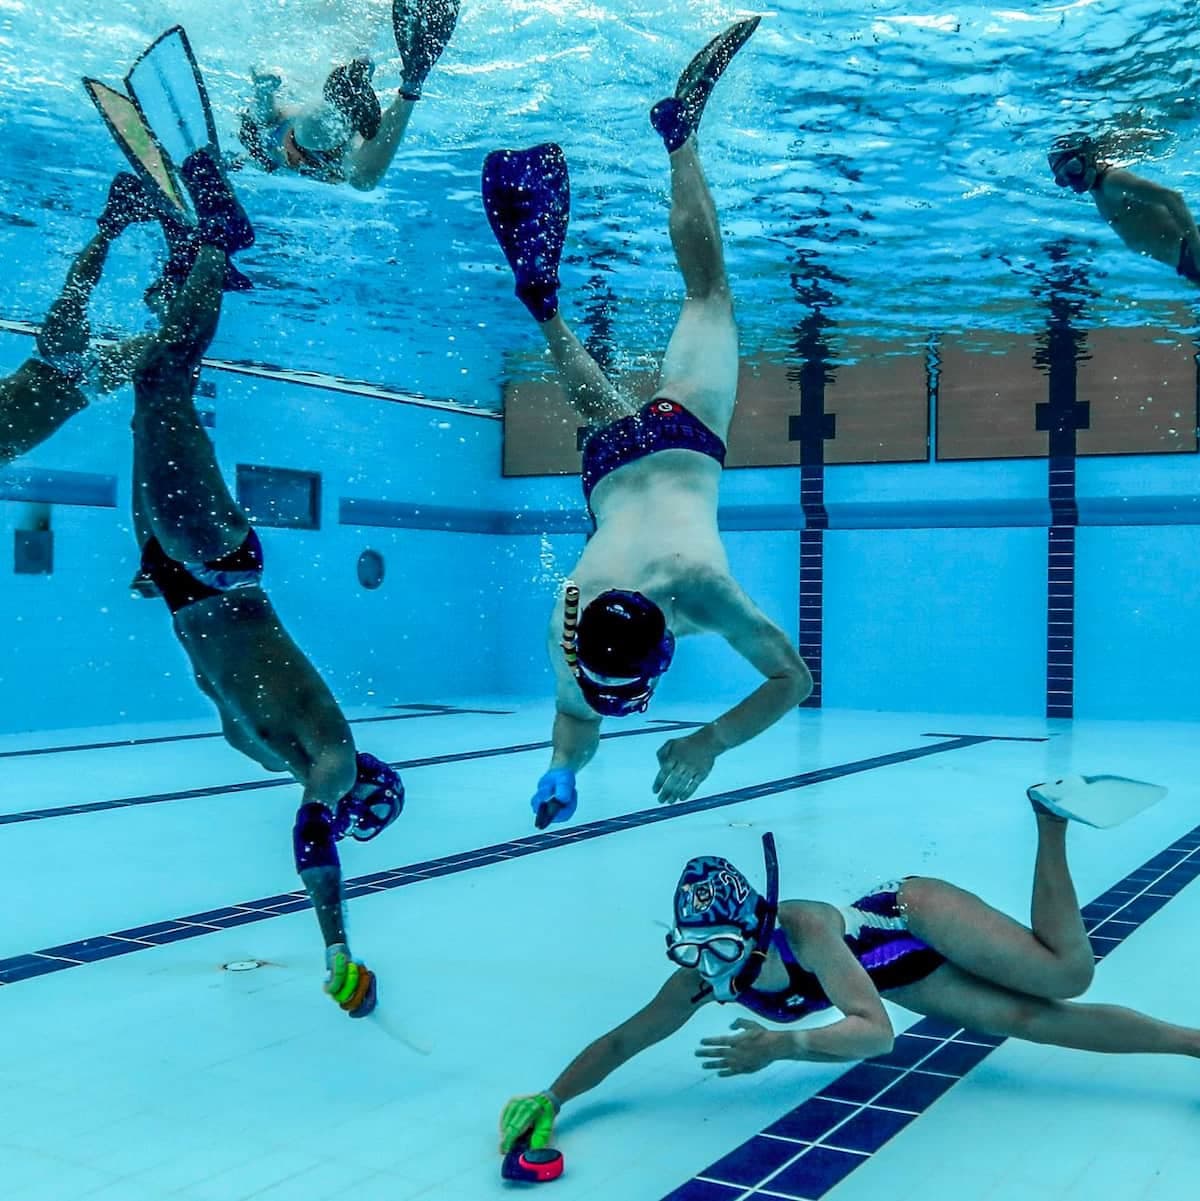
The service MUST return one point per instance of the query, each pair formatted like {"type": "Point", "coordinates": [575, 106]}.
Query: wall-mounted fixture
{"type": "Point", "coordinates": [370, 569]}
{"type": "Point", "coordinates": [33, 542]}
{"type": "Point", "coordinates": [280, 496]}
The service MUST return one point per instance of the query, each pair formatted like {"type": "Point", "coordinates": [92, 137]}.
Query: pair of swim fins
{"type": "Point", "coordinates": [527, 193]}
{"type": "Point", "coordinates": [162, 118]}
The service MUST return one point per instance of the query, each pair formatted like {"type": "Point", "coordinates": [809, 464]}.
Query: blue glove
{"type": "Point", "coordinates": [555, 799]}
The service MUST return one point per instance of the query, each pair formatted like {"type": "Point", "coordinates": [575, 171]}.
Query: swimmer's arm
{"type": "Point", "coordinates": [1146, 192]}
{"type": "Point", "coordinates": [866, 1030]}
{"type": "Point", "coordinates": [724, 608]}
{"type": "Point", "coordinates": [668, 1012]}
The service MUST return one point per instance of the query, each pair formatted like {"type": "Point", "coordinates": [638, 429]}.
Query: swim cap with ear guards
{"type": "Point", "coordinates": [622, 647]}
{"type": "Point", "coordinates": [375, 801]}
{"type": "Point", "coordinates": [1073, 160]}
{"type": "Point", "coordinates": [723, 927]}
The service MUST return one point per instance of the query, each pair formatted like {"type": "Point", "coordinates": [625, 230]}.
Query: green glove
{"type": "Point", "coordinates": [532, 1115]}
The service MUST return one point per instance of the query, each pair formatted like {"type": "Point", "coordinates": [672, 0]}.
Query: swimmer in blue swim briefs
{"type": "Point", "coordinates": [655, 569]}
{"type": "Point", "coordinates": [1149, 218]}
{"type": "Point", "coordinates": [200, 554]}
{"type": "Point", "coordinates": [922, 943]}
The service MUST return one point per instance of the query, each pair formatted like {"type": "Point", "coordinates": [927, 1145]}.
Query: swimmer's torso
{"type": "Point", "coordinates": [259, 678]}
{"type": "Point", "coordinates": [1144, 226]}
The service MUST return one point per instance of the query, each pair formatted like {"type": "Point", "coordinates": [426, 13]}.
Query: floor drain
{"type": "Point", "coordinates": [242, 965]}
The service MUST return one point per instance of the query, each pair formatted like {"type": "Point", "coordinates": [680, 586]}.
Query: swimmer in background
{"type": "Point", "coordinates": [201, 555]}
{"type": "Point", "coordinates": [924, 944]}
{"type": "Point", "coordinates": [67, 371]}
{"type": "Point", "coordinates": [655, 568]}
{"type": "Point", "coordinates": [349, 137]}
{"type": "Point", "coordinates": [1150, 219]}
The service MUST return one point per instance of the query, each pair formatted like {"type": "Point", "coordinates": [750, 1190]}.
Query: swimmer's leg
{"type": "Point", "coordinates": [591, 394]}
{"type": "Point", "coordinates": [35, 401]}
{"type": "Point", "coordinates": [179, 485]}
{"type": "Point", "coordinates": [65, 330]}
{"type": "Point", "coordinates": [952, 995]}
{"type": "Point", "coordinates": [368, 163]}
{"type": "Point", "coordinates": [700, 368]}
{"type": "Point", "coordinates": [1053, 959]}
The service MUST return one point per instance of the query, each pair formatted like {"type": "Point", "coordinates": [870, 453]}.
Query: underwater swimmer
{"type": "Point", "coordinates": [50, 388]}
{"type": "Point", "coordinates": [349, 137]}
{"type": "Point", "coordinates": [924, 944]}
{"type": "Point", "coordinates": [199, 552]}
{"type": "Point", "coordinates": [1148, 218]}
{"type": "Point", "coordinates": [655, 569]}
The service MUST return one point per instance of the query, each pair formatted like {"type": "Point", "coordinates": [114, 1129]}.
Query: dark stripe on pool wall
{"type": "Point", "coordinates": [140, 938]}
{"type": "Point", "coordinates": [819, 1143]}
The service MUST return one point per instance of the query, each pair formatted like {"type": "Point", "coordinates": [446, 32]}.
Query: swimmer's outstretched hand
{"type": "Point", "coordinates": [533, 1116]}
{"type": "Point", "coordinates": [556, 798]}
{"type": "Point", "coordinates": [683, 765]}
{"type": "Point", "coordinates": [748, 1051]}
{"type": "Point", "coordinates": [350, 983]}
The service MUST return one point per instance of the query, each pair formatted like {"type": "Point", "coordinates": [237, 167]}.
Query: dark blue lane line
{"type": "Point", "coordinates": [158, 798]}
{"type": "Point", "coordinates": [819, 1143]}
{"type": "Point", "coordinates": [124, 942]}
{"type": "Point", "coordinates": [418, 711]}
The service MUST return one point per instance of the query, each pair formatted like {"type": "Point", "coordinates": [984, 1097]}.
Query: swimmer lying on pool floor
{"type": "Point", "coordinates": [655, 569]}
{"type": "Point", "coordinates": [1148, 218]}
{"type": "Point", "coordinates": [925, 944]}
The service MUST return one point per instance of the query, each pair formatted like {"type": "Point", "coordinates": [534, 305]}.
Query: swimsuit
{"type": "Point", "coordinates": [661, 425]}
{"type": "Point", "coordinates": [878, 937]}
{"type": "Point", "coordinates": [183, 584]}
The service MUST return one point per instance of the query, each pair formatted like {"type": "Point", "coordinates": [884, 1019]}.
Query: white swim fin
{"type": "Point", "coordinates": [1100, 801]}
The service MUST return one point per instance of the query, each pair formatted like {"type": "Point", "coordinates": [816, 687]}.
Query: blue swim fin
{"type": "Point", "coordinates": [527, 197]}
{"type": "Point", "coordinates": [1100, 801]}
{"type": "Point", "coordinates": [169, 90]}
{"type": "Point", "coordinates": [678, 117]}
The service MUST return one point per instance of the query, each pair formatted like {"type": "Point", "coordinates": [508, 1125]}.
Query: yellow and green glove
{"type": "Point", "coordinates": [533, 1116]}
{"type": "Point", "coordinates": [350, 983]}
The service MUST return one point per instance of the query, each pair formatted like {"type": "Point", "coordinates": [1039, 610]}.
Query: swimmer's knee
{"type": "Point", "coordinates": [164, 372]}
{"type": "Point", "coordinates": [1075, 977]}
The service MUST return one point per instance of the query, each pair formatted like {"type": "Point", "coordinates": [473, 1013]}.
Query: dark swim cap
{"type": "Point", "coordinates": [623, 648]}
{"type": "Point", "coordinates": [1071, 158]}
{"type": "Point", "coordinates": [375, 801]}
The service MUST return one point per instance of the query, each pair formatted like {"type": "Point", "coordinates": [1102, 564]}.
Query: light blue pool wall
{"type": "Point", "coordinates": [934, 601]}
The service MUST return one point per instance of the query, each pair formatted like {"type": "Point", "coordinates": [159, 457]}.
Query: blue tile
{"type": "Point", "coordinates": [752, 1162]}
{"type": "Point", "coordinates": [956, 1059]}
{"type": "Point", "coordinates": [145, 932]}
{"type": "Point", "coordinates": [702, 1190]}
{"type": "Point", "coordinates": [809, 1121]}
{"type": "Point", "coordinates": [860, 1083]}
{"type": "Point", "coordinates": [907, 1051]}
{"type": "Point", "coordinates": [932, 1028]}
{"type": "Point", "coordinates": [177, 935]}
{"type": "Point", "coordinates": [1101, 945]}
{"type": "Point", "coordinates": [88, 950]}
{"type": "Point", "coordinates": [815, 1173]}
{"type": "Point", "coordinates": [207, 917]}
{"type": "Point", "coordinates": [916, 1091]}
{"type": "Point", "coordinates": [291, 906]}
{"type": "Point", "coordinates": [869, 1129]}
{"type": "Point", "coordinates": [1143, 907]}
{"type": "Point", "coordinates": [241, 918]}
{"type": "Point", "coordinates": [25, 967]}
